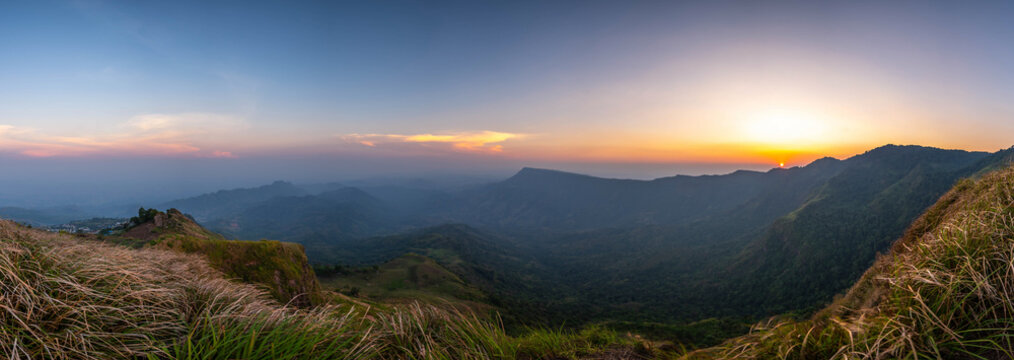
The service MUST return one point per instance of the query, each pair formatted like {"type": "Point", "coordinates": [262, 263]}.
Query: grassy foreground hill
{"type": "Point", "coordinates": [945, 291]}
{"type": "Point", "coordinates": [70, 297]}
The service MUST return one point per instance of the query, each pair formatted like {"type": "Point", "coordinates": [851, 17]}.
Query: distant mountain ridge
{"type": "Point", "coordinates": [561, 201]}
{"type": "Point", "coordinates": [346, 213]}
{"type": "Point", "coordinates": [44, 216]}
{"type": "Point", "coordinates": [531, 199]}
{"type": "Point", "coordinates": [207, 206]}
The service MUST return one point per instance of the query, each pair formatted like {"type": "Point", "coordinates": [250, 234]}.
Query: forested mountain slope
{"type": "Point", "coordinates": [725, 265]}
{"type": "Point", "coordinates": [820, 249]}
{"type": "Point", "coordinates": [945, 290]}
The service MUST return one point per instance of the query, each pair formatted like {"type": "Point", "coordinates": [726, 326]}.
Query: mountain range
{"type": "Point", "coordinates": [746, 243]}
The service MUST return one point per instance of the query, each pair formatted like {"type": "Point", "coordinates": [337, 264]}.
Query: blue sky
{"type": "Point", "coordinates": [629, 89]}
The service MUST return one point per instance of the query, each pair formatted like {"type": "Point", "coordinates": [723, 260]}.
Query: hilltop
{"type": "Point", "coordinates": [945, 290]}
{"type": "Point", "coordinates": [280, 267]}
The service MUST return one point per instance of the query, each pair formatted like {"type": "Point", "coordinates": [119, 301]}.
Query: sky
{"type": "Point", "coordinates": [220, 93]}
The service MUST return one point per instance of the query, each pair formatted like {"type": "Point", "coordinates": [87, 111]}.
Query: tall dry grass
{"type": "Point", "coordinates": [63, 299]}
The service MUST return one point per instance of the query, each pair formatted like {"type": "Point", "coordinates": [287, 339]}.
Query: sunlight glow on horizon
{"type": "Point", "coordinates": [784, 128]}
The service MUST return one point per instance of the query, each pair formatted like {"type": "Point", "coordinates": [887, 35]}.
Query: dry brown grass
{"type": "Point", "coordinates": [63, 298]}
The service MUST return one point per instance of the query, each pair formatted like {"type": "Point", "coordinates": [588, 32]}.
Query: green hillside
{"type": "Point", "coordinates": [945, 291]}
{"type": "Point", "coordinates": [405, 279]}
{"type": "Point", "coordinates": [498, 267]}
{"type": "Point", "coordinates": [818, 250]}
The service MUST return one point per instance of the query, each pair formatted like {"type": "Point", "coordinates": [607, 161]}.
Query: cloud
{"type": "Point", "coordinates": [10, 130]}
{"type": "Point", "coordinates": [221, 154]}
{"type": "Point", "coordinates": [143, 135]}
{"type": "Point", "coordinates": [185, 123]}
{"type": "Point", "coordinates": [478, 141]}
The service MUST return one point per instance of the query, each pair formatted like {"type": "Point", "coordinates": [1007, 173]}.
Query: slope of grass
{"type": "Point", "coordinates": [408, 278]}
{"type": "Point", "coordinates": [946, 291]}
{"type": "Point", "coordinates": [63, 297]}
{"type": "Point", "coordinates": [280, 267]}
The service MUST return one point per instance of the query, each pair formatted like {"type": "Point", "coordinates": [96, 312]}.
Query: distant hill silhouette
{"type": "Point", "coordinates": [346, 213]}
{"type": "Point", "coordinates": [44, 216]}
{"type": "Point", "coordinates": [227, 202]}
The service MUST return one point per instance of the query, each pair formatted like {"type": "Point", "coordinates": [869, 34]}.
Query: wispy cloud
{"type": "Point", "coordinates": [476, 141]}
{"type": "Point", "coordinates": [143, 135]}
{"type": "Point", "coordinates": [221, 154]}
{"type": "Point", "coordinates": [11, 130]}
{"type": "Point", "coordinates": [184, 124]}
